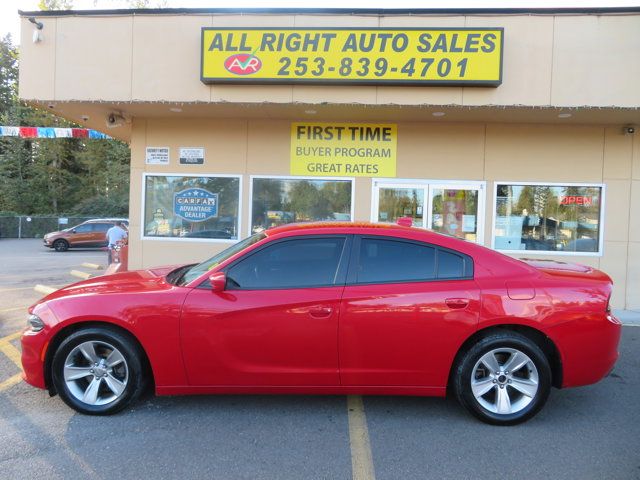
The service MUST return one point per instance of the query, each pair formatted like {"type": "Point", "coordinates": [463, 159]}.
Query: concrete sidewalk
{"type": "Point", "coordinates": [628, 317]}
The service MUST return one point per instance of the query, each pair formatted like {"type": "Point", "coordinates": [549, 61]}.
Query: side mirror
{"type": "Point", "coordinates": [73, 230]}
{"type": "Point", "coordinates": [218, 281]}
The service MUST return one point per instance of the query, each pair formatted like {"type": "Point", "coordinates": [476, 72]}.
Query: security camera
{"type": "Point", "coordinates": [629, 129]}
{"type": "Point", "coordinates": [115, 120]}
{"type": "Point", "coordinates": [84, 118]}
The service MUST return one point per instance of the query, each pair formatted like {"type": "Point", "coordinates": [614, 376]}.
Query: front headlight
{"type": "Point", "coordinates": [35, 322]}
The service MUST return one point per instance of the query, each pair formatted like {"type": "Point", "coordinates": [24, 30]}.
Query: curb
{"type": "Point", "coordinates": [79, 274]}
{"type": "Point", "coordinates": [95, 266]}
{"type": "Point", "coordinates": [44, 289]}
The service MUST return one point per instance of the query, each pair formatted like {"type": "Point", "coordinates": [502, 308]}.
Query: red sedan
{"type": "Point", "coordinates": [330, 308]}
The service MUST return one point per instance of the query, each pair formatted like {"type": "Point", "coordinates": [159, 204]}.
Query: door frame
{"type": "Point", "coordinates": [429, 185]}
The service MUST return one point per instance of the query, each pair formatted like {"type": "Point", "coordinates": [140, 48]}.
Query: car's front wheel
{"type": "Point", "coordinates": [60, 245]}
{"type": "Point", "coordinates": [503, 379]}
{"type": "Point", "coordinates": [98, 371]}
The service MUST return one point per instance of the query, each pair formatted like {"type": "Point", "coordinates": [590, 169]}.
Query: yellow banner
{"type": "Point", "coordinates": [461, 56]}
{"type": "Point", "coordinates": [344, 149]}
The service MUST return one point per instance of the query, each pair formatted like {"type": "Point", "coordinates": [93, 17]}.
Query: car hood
{"type": "Point", "coordinates": [137, 281]}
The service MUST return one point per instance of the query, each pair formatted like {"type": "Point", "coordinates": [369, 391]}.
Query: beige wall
{"type": "Point", "coordinates": [588, 63]}
{"type": "Point", "coordinates": [490, 152]}
{"type": "Point", "coordinates": [565, 61]}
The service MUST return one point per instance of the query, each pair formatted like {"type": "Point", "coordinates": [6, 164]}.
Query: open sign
{"type": "Point", "coordinates": [583, 200]}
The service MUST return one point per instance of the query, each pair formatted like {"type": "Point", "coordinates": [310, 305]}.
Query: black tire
{"type": "Point", "coordinates": [501, 345]}
{"type": "Point", "coordinates": [61, 245]}
{"type": "Point", "coordinates": [104, 340]}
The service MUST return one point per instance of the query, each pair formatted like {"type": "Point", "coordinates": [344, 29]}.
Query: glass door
{"type": "Point", "coordinates": [452, 208]}
{"type": "Point", "coordinates": [402, 200]}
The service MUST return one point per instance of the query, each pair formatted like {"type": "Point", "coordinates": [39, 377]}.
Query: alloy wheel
{"type": "Point", "coordinates": [504, 381]}
{"type": "Point", "coordinates": [96, 373]}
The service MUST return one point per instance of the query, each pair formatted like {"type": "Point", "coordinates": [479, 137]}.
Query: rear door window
{"type": "Point", "coordinates": [383, 260]}
{"type": "Point", "coordinates": [387, 260]}
{"type": "Point", "coordinates": [102, 227]}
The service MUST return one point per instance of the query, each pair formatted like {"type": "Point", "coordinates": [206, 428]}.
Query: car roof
{"type": "Point", "coordinates": [297, 227]}
{"type": "Point", "coordinates": [93, 220]}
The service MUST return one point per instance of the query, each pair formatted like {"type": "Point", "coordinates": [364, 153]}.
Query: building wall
{"type": "Point", "coordinates": [558, 60]}
{"type": "Point", "coordinates": [490, 152]}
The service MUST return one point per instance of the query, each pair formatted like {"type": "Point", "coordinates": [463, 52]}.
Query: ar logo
{"type": "Point", "coordinates": [243, 64]}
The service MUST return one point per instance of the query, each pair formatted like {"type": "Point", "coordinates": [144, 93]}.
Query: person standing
{"type": "Point", "coordinates": [114, 235]}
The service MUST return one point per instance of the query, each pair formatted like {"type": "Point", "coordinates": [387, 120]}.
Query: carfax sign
{"type": "Point", "coordinates": [344, 149]}
{"type": "Point", "coordinates": [195, 204]}
{"type": "Point", "coordinates": [444, 56]}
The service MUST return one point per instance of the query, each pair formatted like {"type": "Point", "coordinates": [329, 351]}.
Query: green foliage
{"type": "Point", "coordinates": [55, 175]}
{"type": "Point", "coordinates": [55, 4]}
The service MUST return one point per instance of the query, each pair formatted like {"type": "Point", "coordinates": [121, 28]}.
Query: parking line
{"type": "Point", "coordinates": [14, 289]}
{"type": "Point", "coordinates": [13, 309]}
{"type": "Point", "coordinates": [12, 352]}
{"type": "Point", "coordinates": [10, 338]}
{"type": "Point", "coordinates": [10, 382]}
{"type": "Point", "coordinates": [361, 459]}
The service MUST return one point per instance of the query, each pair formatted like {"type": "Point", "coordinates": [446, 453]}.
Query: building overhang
{"type": "Point", "coordinates": [96, 114]}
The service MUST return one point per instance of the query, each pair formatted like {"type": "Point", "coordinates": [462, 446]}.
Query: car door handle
{"type": "Point", "coordinates": [457, 302]}
{"type": "Point", "coordinates": [320, 312]}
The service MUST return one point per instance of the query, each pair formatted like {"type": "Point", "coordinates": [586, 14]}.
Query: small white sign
{"type": "Point", "coordinates": [157, 156]}
{"type": "Point", "coordinates": [63, 221]}
{"type": "Point", "coordinates": [468, 223]}
{"type": "Point", "coordinates": [191, 155]}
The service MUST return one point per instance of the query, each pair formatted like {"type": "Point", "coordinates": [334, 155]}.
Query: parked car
{"type": "Point", "coordinates": [92, 233]}
{"type": "Point", "coordinates": [330, 308]}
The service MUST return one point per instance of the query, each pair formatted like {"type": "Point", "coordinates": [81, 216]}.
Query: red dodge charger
{"type": "Point", "coordinates": [330, 308]}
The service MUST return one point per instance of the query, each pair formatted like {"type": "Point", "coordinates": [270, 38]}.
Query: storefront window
{"type": "Point", "coordinates": [192, 207]}
{"type": "Point", "coordinates": [550, 218]}
{"type": "Point", "coordinates": [276, 201]}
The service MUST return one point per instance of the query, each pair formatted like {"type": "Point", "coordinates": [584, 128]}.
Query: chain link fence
{"type": "Point", "coordinates": [35, 226]}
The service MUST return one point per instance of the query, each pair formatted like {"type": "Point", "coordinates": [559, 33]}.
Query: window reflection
{"type": "Point", "coordinates": [547, 218]}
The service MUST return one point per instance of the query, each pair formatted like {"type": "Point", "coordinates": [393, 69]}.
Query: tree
{"type": "Point", "coordinates": [55, 175]}
{"type": "Point", "coordinates": [55, 4]}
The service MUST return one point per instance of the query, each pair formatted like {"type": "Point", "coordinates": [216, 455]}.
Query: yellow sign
{"type": "Point", "coordinates": [460, 56]}
{"type": "Point", "coordinates": [343, 149]}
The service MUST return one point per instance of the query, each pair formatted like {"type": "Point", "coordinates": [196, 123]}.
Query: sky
{"type": "Point", "coordinates": [9, 20]}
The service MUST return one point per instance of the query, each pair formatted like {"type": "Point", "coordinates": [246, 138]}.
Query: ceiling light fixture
{"type": "Point", "coordinates": [564, 115]}
{"type": "Point", "coordinates": [438, 114]}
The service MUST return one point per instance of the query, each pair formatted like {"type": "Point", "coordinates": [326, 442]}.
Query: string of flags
{"type": "Point", "coordinates": [50, 132]}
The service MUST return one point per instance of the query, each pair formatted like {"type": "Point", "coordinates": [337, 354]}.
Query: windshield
{"type": "Point", "coordinates": [195, 271]}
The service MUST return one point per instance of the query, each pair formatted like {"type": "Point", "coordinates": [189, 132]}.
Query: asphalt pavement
{"type": "Point", "coordinates": [584, 433]}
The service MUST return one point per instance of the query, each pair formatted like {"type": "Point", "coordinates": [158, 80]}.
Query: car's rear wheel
{"type": "Point", "coordinates": [504, 379]}
{"type": "Point", "coordinates": [61, 245]}
{"type": "Point", "coordinates": [98, 371]}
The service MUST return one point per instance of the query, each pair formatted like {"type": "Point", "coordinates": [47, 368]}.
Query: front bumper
{"type": "Point", "coordinates": [34, 347]}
